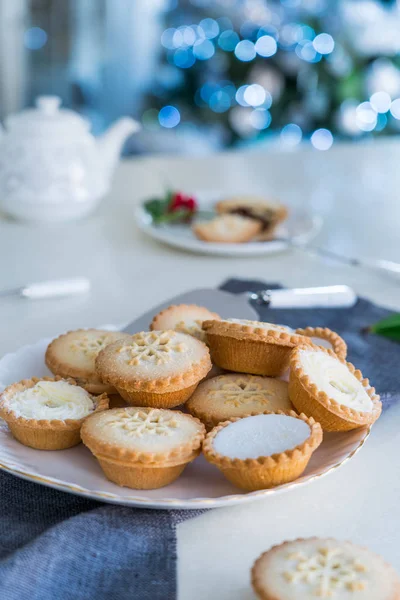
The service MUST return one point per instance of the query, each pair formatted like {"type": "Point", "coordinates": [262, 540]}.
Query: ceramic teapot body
{"type": "Point", "coordinates": [51, 167]}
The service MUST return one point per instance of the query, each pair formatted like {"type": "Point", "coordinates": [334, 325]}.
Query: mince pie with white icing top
{"type": "Point", "coordinates": [155, 368]}
{"type": "Point", "coordinates": [143, 448]}
{"type": "Point", "coordinates": [73, 354]}
{"type": "Point", "coordinates": [47, 414]}
{"type": "Point", "coordinates": [331, 391]}
{"type": "Point", "coordinates": [262, 451]}
{"type": "Point", "coordinates": [237, 395]}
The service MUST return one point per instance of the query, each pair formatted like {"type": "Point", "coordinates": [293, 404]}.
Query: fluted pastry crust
{"type": "Point", "coordinates": [46, 434]}
{"type": "Point", "coordinates": [265, 471]}
{"type": "Point", "coordinates": [333, 416]}
{"type": "Point", "coordinates": [338, 344]}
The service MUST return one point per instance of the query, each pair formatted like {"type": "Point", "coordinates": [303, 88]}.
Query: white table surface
{"type": "Point", "coordinates": [355, 189]}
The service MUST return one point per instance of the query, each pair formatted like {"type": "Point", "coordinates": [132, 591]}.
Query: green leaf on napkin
{"type": "Point", "coordinates": [388, 327]}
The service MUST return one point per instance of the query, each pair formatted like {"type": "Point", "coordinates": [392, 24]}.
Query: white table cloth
{"type": "Point", "coordinates": [355, 188]}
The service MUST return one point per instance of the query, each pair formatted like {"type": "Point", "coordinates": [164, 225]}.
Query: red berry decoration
{"type": "Point", "coordinates": [175, 207]}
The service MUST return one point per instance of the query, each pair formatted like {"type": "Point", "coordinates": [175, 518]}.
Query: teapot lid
{"type": "Point", "coordinates": [48, 114]}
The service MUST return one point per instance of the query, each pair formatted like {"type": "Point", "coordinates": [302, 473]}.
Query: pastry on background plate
{"type": "Point", "coordinates": [268, 214]}
{"type": "Point", "coordinates": [251, 347]}
{"type": "Point", "coordinates": [237, 395]}
{"type": "Point", "coordinates": [155, 368]}
{"type": "Point", "coordinates": [73, 354]}
{"type": "Point", "coordinates": [227, 229]}
{"type": "Point", "coordinates": [310, 568]}
{"type": "Point", "coordinates": [46, 413]}
{"type": "Point", "coordinates": [333, 392]}
{"type": "Point", "coordinates": [143, 448]}
{"type": "Point", "coordinates": [185, 318]}
{"type": "Point", "coordinates": [262, 451]}
{"type": "Point", "coordinates": [322, 336]}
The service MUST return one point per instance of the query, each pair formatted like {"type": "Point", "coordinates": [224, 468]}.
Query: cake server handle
{"type": "Point", "coordinates": [334, 296]}
{"type": "Point", "coordinates": [51, 289]}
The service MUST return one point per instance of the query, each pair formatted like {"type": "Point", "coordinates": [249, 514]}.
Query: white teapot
{"type": "Point", "coordinates": [51, 166]}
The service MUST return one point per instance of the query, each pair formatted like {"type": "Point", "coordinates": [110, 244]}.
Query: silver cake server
{"type": "Point", "coordinates": [238, 306]}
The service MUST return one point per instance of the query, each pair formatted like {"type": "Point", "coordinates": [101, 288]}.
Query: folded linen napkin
{"type": "Point", "coordinates": [54, 545]}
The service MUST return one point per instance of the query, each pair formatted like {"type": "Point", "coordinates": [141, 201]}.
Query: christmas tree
{"type": "Point", "coordinates": [252, 70]}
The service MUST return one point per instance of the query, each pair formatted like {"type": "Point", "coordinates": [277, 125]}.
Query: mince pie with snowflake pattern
{"type": "Point", "coordinates": [143, 448]}
{"type": "Point", "coordinates": [185, 318]}
{"type": "Point", "coordinates": [316, 568]}
{"type": "Point", "coordinates": [237, 395]}
{"type": "Point", "coordinates": [155, 368]}
{"type": "Point", "coordinates": [73, 354]}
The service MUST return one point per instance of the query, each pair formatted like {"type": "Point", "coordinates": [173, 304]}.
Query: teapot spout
{"type": "Point", "coordinates": [110, 143]}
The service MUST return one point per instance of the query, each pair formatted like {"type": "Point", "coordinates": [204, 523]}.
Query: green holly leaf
{"type": "Point", "coordinates": [156, 208]}
{"type": "Point", "coordinates": [388, 327]}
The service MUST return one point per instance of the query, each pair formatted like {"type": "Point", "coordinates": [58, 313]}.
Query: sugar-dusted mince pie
{"type": "Point", "coordinates": [237, 395]}
{"type": "Point", "coordinates": [228, 229]}
{"type": "Point", "coordinates": [155, 368]}
{"type": "Point", "coordinates": [333, 392]}
{"type": "Point", "coordinates": [268, 214]}
{"type": "Point", "coordinates": [314, 568]}
{"type": "Point", "coordinates": [46, 413]}
{"type": "Point", "coordinates": [185, 318]}
{"type": "Point", "coordinates": [73, 354]}
{"type": "Point", "coordinates": [322, 336]}
{"type": "Point", "coordinates": [143, 448]}
{"type": "Point", "coordinates": [263, 451]}
{"type": "Point", "coordinates": [251, 346]}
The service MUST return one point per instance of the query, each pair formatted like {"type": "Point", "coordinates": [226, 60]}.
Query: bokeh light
{"type": "Point", "coordinates": [35, 38]}
{"type": "Point", "coordinates": [381, 122]}
{"type": "Point", "coordinates": [254, 95]}
{"type": "Point", "coordinates": [260, 118]}
{"type": "Point", "coordinates": [203, 49]}
{"type": "Point", "coordinates": [322, 139]}
{"type": "Point", "coordinates": [184, 58]}
{"type": "Point", "coordinates": [169, 117]}
{"type": "Point", "coordinates": [291, 135]}
{"type": "Point", "coordinates": [347, 117]}
{"type": "Point", "coordinates": [228, 40]}
{"type": "Point", "coordinates": [167, 38]}
{"type": "Point", "coordinates": [245, 51]}
{"type": "Point", "coordinates": [266, 46]}
{"type": "Point", "coordinates": [210, 28]}
{"type": "Point", "coordinates": [366, 116]}
{"type": "Point", "coordinates": [290, 35]}
{"type": "Point", "coordinates": [324, 43]}
{"type": "Point", "coordinates": [306, 51]}
{"type": "Point", "coordinates": [381, 102]}
{"type": "Point", "coordinates": [240, 95]}
{"type": "Point", "coordinates": [395, 108]}
{"type": "Point", "coordinates": [220, 101]}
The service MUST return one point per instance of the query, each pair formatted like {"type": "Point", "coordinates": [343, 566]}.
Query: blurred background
{"type": "Point", "coordinates": [203, 75]}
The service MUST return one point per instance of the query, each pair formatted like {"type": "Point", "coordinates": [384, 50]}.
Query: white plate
{"type": "Point", "coordinates": [301, 226]}
{"type": "Point", "coordinates": [200, 486]}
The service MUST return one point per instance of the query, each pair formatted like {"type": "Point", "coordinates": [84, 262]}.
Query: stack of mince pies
{"type": "Point", "coordinates": [254, 397]}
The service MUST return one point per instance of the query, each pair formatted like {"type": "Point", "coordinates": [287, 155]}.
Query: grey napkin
{"type": "Point", "coordinates": [56, 546]}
